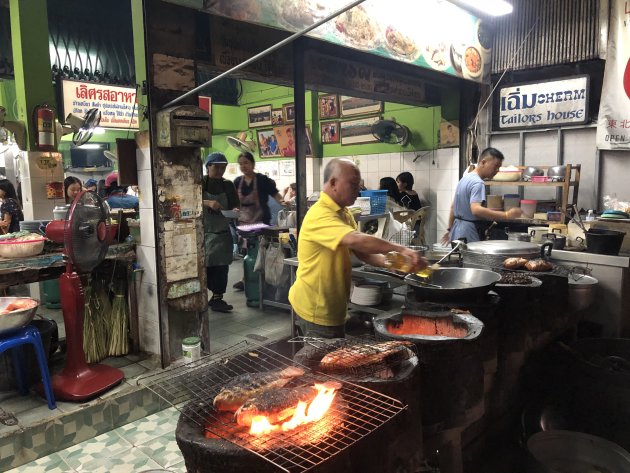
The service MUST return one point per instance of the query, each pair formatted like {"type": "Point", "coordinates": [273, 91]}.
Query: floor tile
{"type": "Point", "coordinates": [149, 428]}
{"type": "Point", "coordinates": [105, 445]}
{"type": "Point", "coordinates": [178, 468]}
{"type": "Point", "coordinates": [132, 460]}
{"type": "Point", "coordinates": [133, 370]}
{"type": "Point", "coordinates": [51, 464]}
{"type": "Point", "coordinates": [163, 450]}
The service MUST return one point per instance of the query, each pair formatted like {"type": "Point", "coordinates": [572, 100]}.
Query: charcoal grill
{"type": "Point", "coordinates": [208, 438]}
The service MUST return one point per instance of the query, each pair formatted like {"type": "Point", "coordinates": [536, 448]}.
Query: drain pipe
{"type": "Point", "coordinates": [262, 54]}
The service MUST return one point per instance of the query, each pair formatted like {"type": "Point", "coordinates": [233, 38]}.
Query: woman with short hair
{"type": "Point", "coordinates": [10, 210]}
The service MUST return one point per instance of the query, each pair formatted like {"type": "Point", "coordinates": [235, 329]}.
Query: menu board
{"type": "Point", "coordinates": [434, 34]}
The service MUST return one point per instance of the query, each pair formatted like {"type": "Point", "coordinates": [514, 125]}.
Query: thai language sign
{"type": "Point", "coordinates": [117, 104]}
{"type": "Point", "coordinates": [434, 34]}
{"type": "Point", "coordinates": [613, 123]}
{"type": "Point", "coordinates": [544, 104]}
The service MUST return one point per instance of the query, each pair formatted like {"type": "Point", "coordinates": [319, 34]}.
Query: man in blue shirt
{"type": "Point", "coordinates": [116, 196]}
{"type": "Point", "coordinates": [468, 209]}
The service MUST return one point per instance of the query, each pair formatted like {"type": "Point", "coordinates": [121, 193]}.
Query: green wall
{"type": "Point", "coordinates": [8, 98]}
{"type": "Point", "coordinates": [423, 122]}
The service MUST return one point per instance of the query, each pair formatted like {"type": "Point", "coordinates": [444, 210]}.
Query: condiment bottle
{"type": "Point", "coordinates": [397, 261]}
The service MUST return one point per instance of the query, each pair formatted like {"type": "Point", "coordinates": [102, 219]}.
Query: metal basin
{"type": "Point", "coordinates": [582, 291]}
{"type": "Point", "coordinates": [17, 318]}
{"type": "Point", "coordinates": [455, 284]}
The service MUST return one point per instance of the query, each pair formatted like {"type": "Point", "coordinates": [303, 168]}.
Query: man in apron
{"type": "Point", "coordinates": [218, 194]}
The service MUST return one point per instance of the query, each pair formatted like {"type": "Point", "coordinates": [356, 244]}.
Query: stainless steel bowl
{"type": "Point", "coordinates": [557, 173]}
{"type": "Point", "coordinates": [530, 171]}
{"type": "Point", "coordinates": [17, 318]}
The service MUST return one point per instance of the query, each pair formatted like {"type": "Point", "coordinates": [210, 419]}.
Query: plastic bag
{"type": "Point", "coordinates": [287, 218]}
{"type": "Point", "coordinates": [392, 227]}
{"type": "Point", "coordinates": [274, 265]}
{"type": "Point", "coordinates": [260, 257]}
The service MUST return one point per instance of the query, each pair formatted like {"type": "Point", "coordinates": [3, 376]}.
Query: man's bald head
{"type": "Point", "coordinates": [337, 165]}
{"type": "Point", "coordinates": [342, 181]}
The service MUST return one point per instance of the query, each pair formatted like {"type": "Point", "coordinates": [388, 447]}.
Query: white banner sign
{"type": "Point", "coordinates": [613, 125]}
{"type": "Point", "coordinates": [543, 104]}
{"type": "Point", "coordinates": [117, 104]}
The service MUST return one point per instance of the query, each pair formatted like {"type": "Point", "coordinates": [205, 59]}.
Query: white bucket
{"type": "Point", "coordinates": [191, 349]}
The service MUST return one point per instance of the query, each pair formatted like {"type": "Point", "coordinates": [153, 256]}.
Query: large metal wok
{"type": "Point", "coordinates": [453, 284]}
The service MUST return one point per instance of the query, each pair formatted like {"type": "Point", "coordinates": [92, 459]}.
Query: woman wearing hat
{"type": "Point", "coordinates": [218, 194]}
{"type": "Point", "coordinates": [90, 185]}
{"type": "Point", "coordinates": [116, 195]}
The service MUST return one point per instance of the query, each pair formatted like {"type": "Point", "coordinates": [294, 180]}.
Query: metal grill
{"type": "Point", "coordinates": [191, 388]}
{"type": "Point", "coordinates": [495, 263]}
{"type": "Point", "coordinates": [353, 354]}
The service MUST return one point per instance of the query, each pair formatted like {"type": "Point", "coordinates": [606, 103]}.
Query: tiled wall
{"type": "Point", "coordinates": [436, 174]}
{"type": "Point", "coordinates": [147, 290]}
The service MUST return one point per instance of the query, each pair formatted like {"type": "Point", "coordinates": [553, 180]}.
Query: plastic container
{"type": "Point", "coordinates": [21, 248]}
{"type": "Point", "coordinates": [191, 349]}
{"type": "Point", "coordinates": [378, 200]}
{"type": "Point", "coordinates": [554, 216]}
{"type": "Point", "coordinates": [528, 207]}
{"type": "Point", "coordinates": [590, 216]}
{"type": "Point", "coordinates": [364, 204]}
{"type": "Point", "coordinates": [495, 202]}
{"type": "Point", "coordinates": [510, 201]}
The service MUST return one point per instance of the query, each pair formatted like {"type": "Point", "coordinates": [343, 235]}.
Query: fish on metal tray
{"type": "Point", "coordinates": [278, 404]}
{"type": "Point", "coordinates": [246, 386]}
{"type": "Point", "coordinates": [364, 354]}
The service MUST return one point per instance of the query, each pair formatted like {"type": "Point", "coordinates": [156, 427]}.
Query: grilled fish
{"type": "Point", "coordinates": [362, 355]}
{"type": "Point", "coordinates": [246, 386]}
{"type": "Point", "coordinates": [278, 404]}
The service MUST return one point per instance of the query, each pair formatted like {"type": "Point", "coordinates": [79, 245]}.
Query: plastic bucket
{"type": "Point", "coordinates": [528, 207]}
{"type": "Point", "coordinates": [604, 242]}
{"type": "Point", "coordinates": [511, 200]}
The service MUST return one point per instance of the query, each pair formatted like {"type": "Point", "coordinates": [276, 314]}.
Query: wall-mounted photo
{"type": "Point", "coordinates": [259, 116]}
{"type": "Point", "coordinates": [288, 113]}
{"type": "Point", "coordinates": [276, 117]}
{"type": "Point", "coordinates": [286, 140]}
{"type": "Point", "coordinates": [352, 106]}
{"type": "Point", "coordinates": [358, 131]}
{"type": "Point", "coordinates": [330, 132]}
{"type": "Point", "coordinates": [328, 106]}
{"type": "Point", "coordinates": [268, 144]}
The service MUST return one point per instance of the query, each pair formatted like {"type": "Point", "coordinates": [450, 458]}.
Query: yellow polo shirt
{"type": "Point", "coordinates": [324, 275]}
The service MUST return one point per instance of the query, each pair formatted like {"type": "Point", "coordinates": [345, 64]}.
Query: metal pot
{"type": "Point", "coordinates": [456, 284]}
{"type": "Point", "coordinates": [582, 291]}
{"type": "Point", "coordinates": [563, 450]}
{"type": "Point", "coordinates": [518, 236]}
{"type": "Point", "coordinates": [557, 240]}
{"type": "Point", "coordinates": [492, 253]}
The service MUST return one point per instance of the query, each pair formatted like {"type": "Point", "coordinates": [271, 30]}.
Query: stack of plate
{"type": "Point", "coordinates": [366, 294]}
{"type": "Point", "coordinates": [615, 214]}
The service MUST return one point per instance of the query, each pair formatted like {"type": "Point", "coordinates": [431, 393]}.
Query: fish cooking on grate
{"type": "Point", "coordinates": [278, 404]}
{"type": "Point", "coordinates": [361, 355]}
{"type": "Point", "coordinates": [246, 386]}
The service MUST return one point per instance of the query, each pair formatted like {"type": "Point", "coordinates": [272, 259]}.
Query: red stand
{"type": "Point", "coordinates": [79, 381]}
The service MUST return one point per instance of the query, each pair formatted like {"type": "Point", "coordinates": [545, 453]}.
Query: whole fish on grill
{"type": "Point", "coordinates": [246, 386]}
{"type": "Point", "coordinates": [278, 404]}
{"type": "Point", "coordinates": [365, 354]}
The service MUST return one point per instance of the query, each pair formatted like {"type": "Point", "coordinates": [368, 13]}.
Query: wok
{"type": "Point", "coordinates": [455, 284]}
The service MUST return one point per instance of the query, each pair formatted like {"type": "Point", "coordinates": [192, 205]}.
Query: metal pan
{"type": "Point", "coordinates": [457, 284]}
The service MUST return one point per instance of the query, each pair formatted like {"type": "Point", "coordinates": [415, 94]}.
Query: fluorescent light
{"type": "Point", "coordinates": [489, 7]}
{"type": "Point", "coordinates": [98, 130]}
{"type": "Point", "coordinates": [91, 146]}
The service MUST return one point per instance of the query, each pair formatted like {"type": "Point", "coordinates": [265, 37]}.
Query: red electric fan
{"type": "Point", "coordinates": [84, 235]}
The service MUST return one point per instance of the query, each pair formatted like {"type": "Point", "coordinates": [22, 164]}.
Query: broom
{"type": "Point", "coordinates": [94, 332]}
{"type": "Point", "coordinates": [119, 341]}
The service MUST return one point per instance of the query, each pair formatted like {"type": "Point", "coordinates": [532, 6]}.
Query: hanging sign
{"type": "Point", "coordinates": [544, 104]}
{"type": "Point", "coordinates": [117, 104]}
{"type": "Point", "coordinates": [613, 125]}
{"type": "Point", "coordinates": [47, 161]}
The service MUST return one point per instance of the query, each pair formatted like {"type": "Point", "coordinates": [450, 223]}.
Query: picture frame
{"type": "Point", "coordinates": [329, 132]}
{"type": "Point", "coordinates": [288, 113]}
{"type": "Point", "coordinates": [328, 106]}
{"type": "Point", "coordinates": [277, 117]}
{"type": "Point", "coordinates": [286, 140]}
{"type": "Point", "coordinates": [259, 116]}
{"type": "Point", "coordinates": [268, 146]}
{"type": "Point", "coordinates": [359, 131]}
{"type": "Point", "coordinates": [353, 106]}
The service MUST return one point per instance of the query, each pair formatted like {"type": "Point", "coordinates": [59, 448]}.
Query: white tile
{"type": "Point", "coordinates": [442, 219]}
{"type": "Point", "coordinates": [149, 336]}
{"type": "Point", "coordinates": [454, 178]}
{"type": "Point", "coordinates": [146, 259]}
{"type": "Point", "coordinates": [372, 162]}
{"type": "Point", "coordinates": [444, 199]}
{"type": "Point", "coordinates": [395, 160]}
{"type": "Point", "coordinates": [383, 163]}
{"type": "Point", "coordinates": [145, 188]}
{"type": "Point", "coordinates": [143, 159]}
{"type": "Point", "coordinates": [148, 301]}
{"type": "Point", "coordinates": [440, 179]}
{"type": "Point", "coordinates": [147, 228]}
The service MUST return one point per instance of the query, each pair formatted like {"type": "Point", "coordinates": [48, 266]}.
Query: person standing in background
{"type": "Point", "coordinates": [71, 188]}
{"type": "Point", "coordinates": [393, 195]}
{"type": "Point", "coordinates": [254, 190]}
{"type": "Point", "coordinates": [218, 194]}
{"type": "Point", "coordinates": [469, 218]}
{"type": "Point", "coordinates": [90, 185]}
{"type": "Point", "coordinates": [408, 197]}
{"type": "Point", "coordinates": [116, 196]}
{"type": "Point", "coordinates": [10, 210]}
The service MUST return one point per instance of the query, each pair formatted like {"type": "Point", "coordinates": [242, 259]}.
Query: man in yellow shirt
{"type": "Point", "coordinates": [329, 232]}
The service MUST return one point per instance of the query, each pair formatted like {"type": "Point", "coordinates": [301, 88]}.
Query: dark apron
{"type": "Point", "coordinates": [217, 241]}
{"type": "Point", "coordinates": [251, 210]}
{"type": "Point", "coordinates": [481, 226]}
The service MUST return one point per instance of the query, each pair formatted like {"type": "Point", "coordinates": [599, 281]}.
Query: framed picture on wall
{"type": "Point", "coordinates": [276, 117]}
{"type": "Point", "coordinates": [259, 116]}
{"type": "Point", "coordinates": [286, 140]}
{"type": "Point", "coordinates": [359, 131]}
{"type": "Point", "coordinates": [288, 113]}
{"type": "Point", "coordinates": [268, 144]}
{"type": "Point", "coordinates": [328, 106]}
{"type": "Point", "coordinates": [352, 106]}
{"type": "Point", "coordinates": [329, 132]}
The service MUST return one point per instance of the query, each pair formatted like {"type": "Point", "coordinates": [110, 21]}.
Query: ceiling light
{"type": "Point", "coordinates": [488, 7]}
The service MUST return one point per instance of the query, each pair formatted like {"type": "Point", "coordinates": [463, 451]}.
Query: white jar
{"type": "Point", "coordinates": [191, 349]}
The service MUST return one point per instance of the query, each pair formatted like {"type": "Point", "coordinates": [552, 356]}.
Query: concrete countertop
{"type": "Point", "coordinates": [590, 258]}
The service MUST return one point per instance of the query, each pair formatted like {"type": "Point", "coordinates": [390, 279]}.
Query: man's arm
{"type": "Point", "coordinates": [451, 219]}
{"type": "Point", "coordinates": [371, 249]}
{"type": "Point", "coordinates": [484, 213]}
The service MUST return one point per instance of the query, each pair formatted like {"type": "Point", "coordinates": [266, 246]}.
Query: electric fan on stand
{"type": "Point", "coordinates": [84, 235]}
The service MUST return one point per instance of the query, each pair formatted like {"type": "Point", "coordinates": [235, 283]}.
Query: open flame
{"type": "Point", "coordinates": [304, 412]}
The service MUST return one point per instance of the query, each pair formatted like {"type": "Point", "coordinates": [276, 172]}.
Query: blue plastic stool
{"type": "Point", "coordinates": [15, 339]}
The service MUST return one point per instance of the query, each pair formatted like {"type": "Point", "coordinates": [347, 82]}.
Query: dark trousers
{"type": "Point", "coordinates": [217, 278]}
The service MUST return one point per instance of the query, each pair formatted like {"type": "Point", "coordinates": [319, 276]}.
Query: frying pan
{"type": "Point", "coordinates": [455, 284]}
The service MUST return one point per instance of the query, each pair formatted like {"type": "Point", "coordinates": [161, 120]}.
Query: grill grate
{"type": "Point", "coordinates": [495, 263]}
{"type": "Point", "coordinates": [191, 388]}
